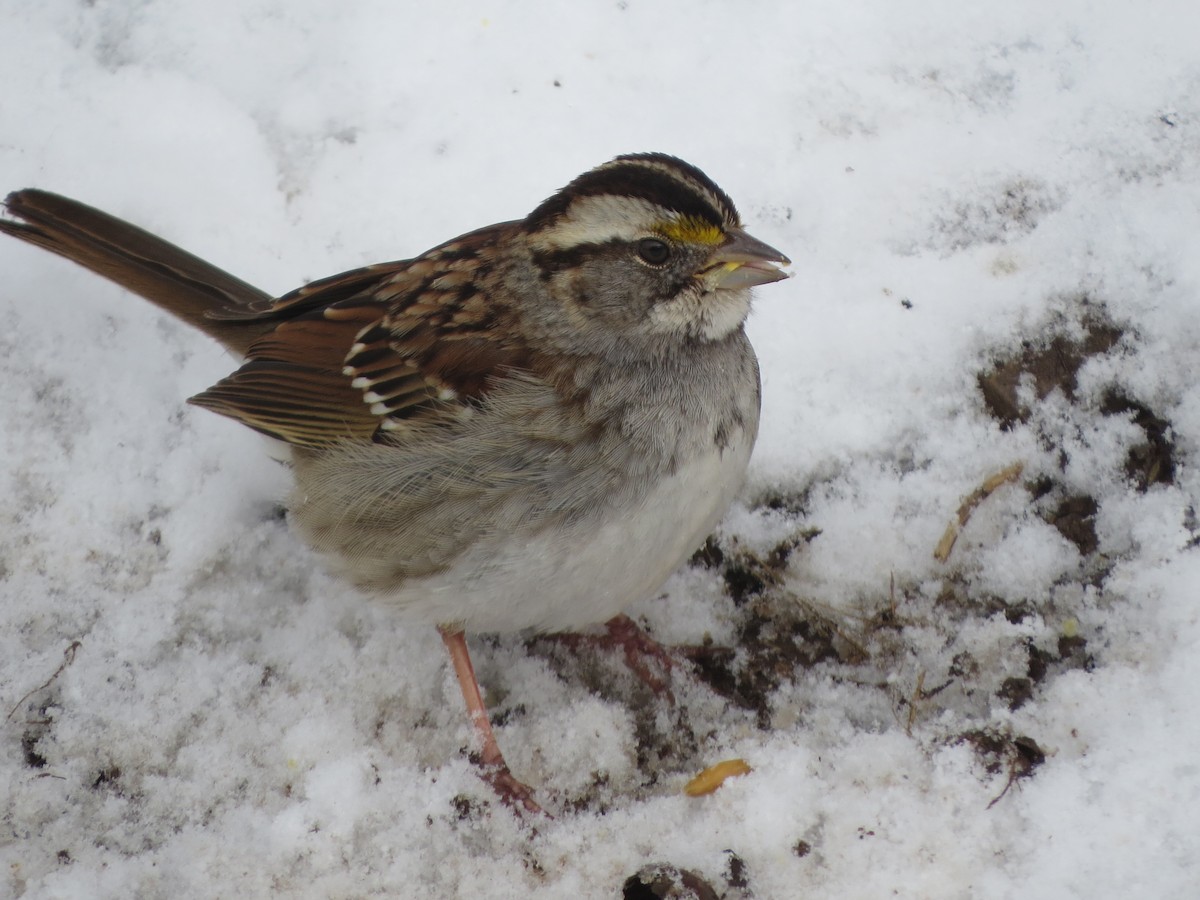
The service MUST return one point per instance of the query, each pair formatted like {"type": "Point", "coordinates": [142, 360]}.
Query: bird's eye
{"type": "Point", "coordinates": [653, 251]}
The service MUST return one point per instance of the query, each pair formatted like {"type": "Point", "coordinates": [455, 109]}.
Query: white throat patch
{"type": "Point", "coordinates": [710, 316]}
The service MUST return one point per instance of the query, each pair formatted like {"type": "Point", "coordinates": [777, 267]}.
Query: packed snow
{"type": "Point", "coordinates": [993, 213]}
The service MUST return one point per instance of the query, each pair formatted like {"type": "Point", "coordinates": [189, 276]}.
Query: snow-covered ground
{"type": "Point", "coordinates": [994, 216]}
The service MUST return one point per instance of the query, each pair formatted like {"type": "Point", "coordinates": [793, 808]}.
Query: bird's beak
{"type": "Point", "coordinates": [743, 261]}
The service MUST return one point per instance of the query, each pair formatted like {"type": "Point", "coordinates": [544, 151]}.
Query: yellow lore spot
{"type": "Point", "coordinates": [690, 230]}
{"type": "Point", "coordinates": [714, 776]}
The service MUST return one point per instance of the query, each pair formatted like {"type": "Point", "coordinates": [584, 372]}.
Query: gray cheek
{"type": "Point", "coordinates": [616, 299]}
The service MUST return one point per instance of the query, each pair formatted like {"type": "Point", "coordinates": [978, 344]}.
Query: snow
{"type": "Point", "coordinates": [199, 710]}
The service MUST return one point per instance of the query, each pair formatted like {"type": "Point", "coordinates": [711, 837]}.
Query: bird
{"type": "Point", "coordinates": [528, 427]}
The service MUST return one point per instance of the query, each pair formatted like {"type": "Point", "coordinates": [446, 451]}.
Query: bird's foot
{"type": "Point", "coordinates": [642, 653]}
{"type": "Point", "coordinates": [514, 794]}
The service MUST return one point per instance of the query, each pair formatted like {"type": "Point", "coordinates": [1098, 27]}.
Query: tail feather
{"type": "Point", "coordinates": [183, 285]}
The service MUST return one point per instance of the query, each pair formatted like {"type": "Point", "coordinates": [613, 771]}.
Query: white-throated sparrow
{"type": "Point", "coordinates": [529, 426]}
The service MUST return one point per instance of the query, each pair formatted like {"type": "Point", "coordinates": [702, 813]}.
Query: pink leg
{"type": "Point", "coordinates": [495, 769]}
{"type": "Point", "coordinates": [637, 646]}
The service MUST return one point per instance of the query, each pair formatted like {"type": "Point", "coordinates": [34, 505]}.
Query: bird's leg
{"type": "Point", "coordinates": [495, 770]}
{"type": "Point", "coordinates": [637, 646]}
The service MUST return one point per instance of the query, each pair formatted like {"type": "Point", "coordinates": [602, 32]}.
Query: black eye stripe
{"type": "Point", "coordinates": [552, 261]}
{"type": "Point", "coordinates": [557, 260]}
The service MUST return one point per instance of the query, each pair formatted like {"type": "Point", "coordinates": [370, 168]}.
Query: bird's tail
{"type": "Point", "coordinates": [183, 285]}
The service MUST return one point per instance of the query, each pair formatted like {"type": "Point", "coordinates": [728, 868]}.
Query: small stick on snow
{"type": "Point", "coordinates": [1005, 476]}
{"type": "Point", "coordinates": [68, 658]}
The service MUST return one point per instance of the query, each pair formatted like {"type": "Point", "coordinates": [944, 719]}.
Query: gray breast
{"type": "Point", "coordinates": [524, 464]}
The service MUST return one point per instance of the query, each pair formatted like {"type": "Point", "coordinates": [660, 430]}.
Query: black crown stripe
{"type": "Point", "coordinates": [656, 178]}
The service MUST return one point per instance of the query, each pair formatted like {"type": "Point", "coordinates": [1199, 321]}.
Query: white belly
{"type": "Point", "coordinates": [588, 572]}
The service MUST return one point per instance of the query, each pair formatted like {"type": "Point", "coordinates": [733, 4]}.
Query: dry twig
{"type": "Point", "coordinates": [68, 658]}
{"type": "Point", "coordinates": [1005, 476]}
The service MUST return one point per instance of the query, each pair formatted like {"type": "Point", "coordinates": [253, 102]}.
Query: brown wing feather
{"type": "Point", "coordinates": [373, 350]}
{"type": "Point", "coordinates": [297, 404]}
